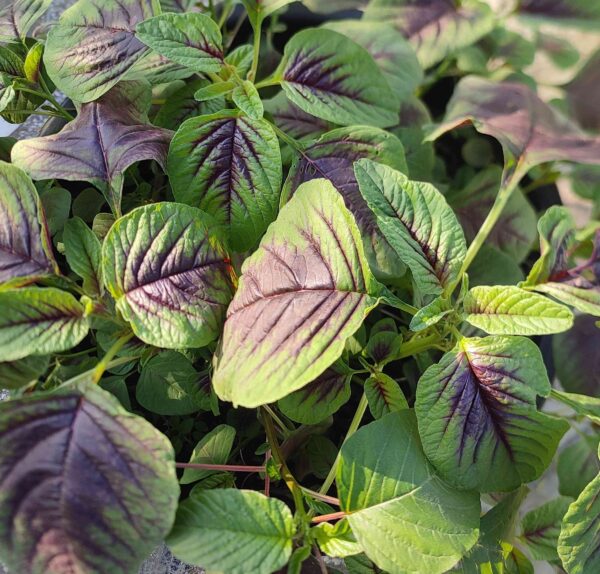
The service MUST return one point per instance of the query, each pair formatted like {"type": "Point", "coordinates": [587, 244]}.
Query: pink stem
{"type": "Point", "coordinates": [328, 517]}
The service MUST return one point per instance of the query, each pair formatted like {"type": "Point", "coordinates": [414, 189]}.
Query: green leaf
{"type": "Point", "coordinates": [56, 202]}
{"type": "Point", "coordinates": [192, 40]}
{"type": "Point", "coordinates": [86, 486]}
{"type": "Point", "coordinates": [213, 91]}
{"type": "Point", "coordinates": [228, 165]}
{"type": "Point", "coordinates": [360, 564]}
{"type": "Point", "coordinates": [17, 17]}
{"type": "Point", "coordinates": [301, 295]}
{"type": "Point", "coordinates": [233, 531]}
{"type": "Point", "coordinates": [83, 252]}
{"type": "Point", "coordinates": [541, 526]}
{"type": "Point", "coordinates": [478, 418]}
{"type": "Point", "coordinates": [258, 10]}
{"type": "Point", "coordinates": [383, 346]}
{"type": "Point", "coordinates": [168, 274]}
{"type": "Point", "coordinates": [329, 76]}
{"type": "Point", "coordinates": [157, 70]}
{"type": "Point", "coordinates": [509, 310]}
{"type": "Point", "coordinates": [336, 539]}
{"type": "Point", "coordinates": [169, 385]}
{"type": "Point", "coordinates": [17, 374]}
{"type": "Point", "coordinates": [246, 98]}
{"type": "Point", "coordinates": [39, 321]}
{"type": "Point", "coordinates": [493, 267]}
{"type": "Point", "coordinates": [391, 493]}
{"type": "Point", "coordinates": [515, 562]}
{"type": "Point", "coordinates": [430, 315]}
{"type": "Point", "coordinates": [417, 222]}
{"type": "Point", "coordinates": [241, 59]}
{"type": "Point", "coordinates": [585, 299]}
{"type": "Point", "coordinates": [294, 121]}
{"type": "Point", "coordinates": [94, 45]}
{"type": "Point", "coordinates": [577, 465]}
{"type": "Point", "coordinates": [214, 448]}
{"type": "Point", "coordinates": [384, 395]}
{"type": "Point", "coordinates": [321, 398]}
{"type": "Point", "coordinates": [581, 404]}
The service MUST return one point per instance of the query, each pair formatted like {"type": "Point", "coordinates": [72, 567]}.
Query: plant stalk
{"type": "Point", "coordinates": [328, 517]}
{"type": "Point", "coordinates": [103, 364]}
{"type": "Point", "coordinates": [223, 467]}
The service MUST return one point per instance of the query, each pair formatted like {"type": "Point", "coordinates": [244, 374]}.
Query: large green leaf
{"type": "Point", "coordinates": [478, 418]}
{"type": "Point", "coordinates": [192, 40]}
{"type": "Point", "coordinates": [329, 76]}
{"type": "Point", "coordinates": [168, 274]}
{"type": "Point", "coordinates": [417, 222]}
{"type": "Point", "coordinates": [25, 251]}
{"type": "Point", "coordinates": [85, 486]}
{"type": "Point", "coordinates": [17, 17]}
{"type": "Point", "coordinates": [301, 295]}
{"type": "Point", "coordinates": [233, 531]}
{"type": "Point", "coordinates": [39, 321]}
{"type": "Point", "coordinates": [94, 45]}
{"type": "Point", "coordinates": [391, 493]}
{"type": "Point", "coordinates": [509, 310]}
{"type": "Point", "coordinates": [83, 252]}
{"type": "Point", "coordinates": [228, 165]}
{"type": "Point", "coordinates": [16, 374]}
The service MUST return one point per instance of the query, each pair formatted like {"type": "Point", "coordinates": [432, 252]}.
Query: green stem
{"type": "Point", "coordinates": [418, 345]}
{"type": "Point", "coordinates": [292, 142]}
{"type": "Point", "coordinates": [256, 51]}
{"type": "Point", "coordinates": [267, 82]}
{"type": "Point", "coordinates": [284, 429]}
{"type": "Point", "coordinates": [215, 78]}
{"type": "Point", "coordinates": [103, 364]}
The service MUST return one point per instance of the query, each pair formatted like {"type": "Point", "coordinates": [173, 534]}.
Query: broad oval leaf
{"type": "Point", "coordinates": [391, 493]}
{"type": "Point", "coordinates": [86, 486]}
{"type": "Point", "coordinates": [39, 321]}
{"type": "Point", "coordinates": [332, 157]}
{"type": "Point", "coordinates": [229, 166]}
{"type": "Point", "coordinates": [478, 418]}
{"type": "Point", "coordinates": [509, 310]}
{"type": "Point", "coordinates": [17, 17]}
{"type": "Point", "coordinates": [384, 395]}
{"type": "Point", "coordinates": [25, 251]}
{"type": "Point", "coordinates": [331, 77]}
{"type": "Point", "coordinates": [83, 252]}
{"type": "Point", "coordinates": [293, 120]}
{"type": "Point", "coordinates": [417, 222]}
{"type": "Point", "coordinates": [258, 540]}
{"type": "Point", "coordinates": [192, 40]}
{"type": "Point", "coordinates": [168, 274]}
{"type": "Point", "coordinates": [94, 45]}
{"type": "Point", "coordinates": [301, 295]}
{"type": "Point", "coordinates": [105, 138]}
{"type": "Point", "coordinates": [530, 131]}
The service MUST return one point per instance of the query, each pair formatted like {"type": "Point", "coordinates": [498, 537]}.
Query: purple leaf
{"type": "Point", "coordinates": [105, 138]}
{"type": "Point", "coordinates": [561, 9]}
{"type": "Point", "coordinates": [85, 486]}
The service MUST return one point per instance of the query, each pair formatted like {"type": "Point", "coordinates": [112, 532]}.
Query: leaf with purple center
{"type": "Point", "coordinates": [384, 342]}
{"type": "Point", "coordinates": [228, 165]}
{"type": "Point", "coordinates": [321, 398]}
{"type": "Point", "coordinates": [302, 294]}
{"type": "Point", "coordinates": [329, 76]}
{"type": "Point", "coordinates": [478, 418]}
{"type": "Point", "coordinates": [25, 248]}
{"type": "Point", "coordinates": [17, 17]}
{"type": "Point", "coordinates": [169, 275]}
{"type": "Point", "coordinates": [105, 138]}
{"type": "Point", "coordinates": [332, 156]}
{"type": "Point", "coordinates": [86, 486]}
{"type": "Point", "coordinates": [560, 9]}
{"type": "Point", "coordinates": [384, 395]}
{"type": "Point", "coordinates": [94, 45]}
{"type": "Point", "coordinates": [293, 120]}
{"type": "Point", "coordinates": [417, 222]}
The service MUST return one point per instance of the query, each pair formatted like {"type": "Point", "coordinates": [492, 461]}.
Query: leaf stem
{"type": "Point", "coordinates": [415, 346]}
{"type": "Point", "coordinates": [255, 51]}
{"type": "Point", "coordinates": [292, 142]}
{"type": "Point", "coordinates": [328, 517]}
{"type": "Point", "coordinates": [284, 429]}
{"type": "Point", "coordinates": [103, 364]}
{"type": "Point", "coordinates": [321, 497]}
{"type": "Point", "coordinates": [267, 82]}
{"type": "Point", "coordinates": [223, 467]}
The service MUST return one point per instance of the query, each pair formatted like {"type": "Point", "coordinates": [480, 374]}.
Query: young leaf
{"type": "Point", "coordinates": [530, 131]}
{"type": "Point", "coordinates": [417, 222]}
{"type": "Point", "coordinates": [384, 395]}
{"type": "Point", "coordinates": [320, 398]}
{"type": "Point", "coordinates": [331, 77]}
{"type": "Point", "coordinates": [169, 385]}
{"type": "Point", "coordinates": [25, 251]}
{"type": "Point", "coordinates": [391, 493]}
{"type": "Point", "coordinates": [86, 486]}
{"type": "Point", "coordinates": [83, 252]}
{"type": "Point", "coordinates": [332, 156]}
{"type": "Point", "coordinates": [94, 45]}
{"type": "Point", "coordinates": [301, 295]}
{"type": "Point", "coordinates": [541, 526]}
{"type": "Point", "coordinates": [98, 146]}
{"type": "Point", "coordinates": [17, 374]}
{"type": "Point", "coordinates": [293, 120]}
{"type": "Point", "coordinates": [39, 321]}
{"type": "Point", "coordinates": [246, 98]}
{"type": "Point", "coordinates": [383, 346]}
{"type": "Point", "coordinates": [258, 540]}
{"type": "Point", "coordinates": [214, 448]}
{"type": "Point", "coordinates": [478, 417]}
{"type": "Point", "coordinates": [168, 274]}
{"type": "Point", "coordinates": [430, 315]}
{"type": "Point", "coordinates": [336, 539]}
{"type": "Point", "coordinates": [17, 17]}
{"type": "Point", "coordinates": [577, 465]}
{"type": "Point", "coordinates": [192, 40]}
{"type": "Point", "coordinates": [229, 166]}
{"type": "Point", "coordinates": [508, 310]}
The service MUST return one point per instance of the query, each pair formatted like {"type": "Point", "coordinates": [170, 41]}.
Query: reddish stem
{"type": "Point", "coordinates": [328, 517]}
{"type": "Point", "coordinates": [226, 467]}
{"type": "Point", "coordinates": [267, 477]}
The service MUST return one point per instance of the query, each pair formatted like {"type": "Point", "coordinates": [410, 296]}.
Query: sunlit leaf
{"type": "Point", "coordinates": [17, 17]}
{"type": "Point", "coordinates": [258, 10]}
{"type": "Point", "coordinates": [336, 539]}
{"type": "Point", "coordinates": [384, 395]}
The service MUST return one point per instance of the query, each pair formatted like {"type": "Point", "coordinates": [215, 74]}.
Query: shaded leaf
{"type": "Point", "coordinates": [258, 540]}
{"type": "Point", "coordinates": [94, 45]}
{"type": "Point", "coordinates": [478, 417]}
{"type": "Point", "coordinates": [329, 76]}
{"type": "Point", "coordinates": [383, 346]}
{"type": "Point", "coordinates": [86, 486]}
{"type": "Point", "coordinates": [56, 202]}
{"type": "Point", "coordinates": [17, 17]}
{"type": "Point", "coordinates": [100, 144]}
{"type": "Point", "coordinates": [391, 493]}
{"type": "Point", "coordinates": [83, 252]}
{"type": "Point", "coordinates": [39, 321]}
{"type": "Point", "coordinates": [17, 374]}
{"type": "Point", "coordinates": [515, 562]}
{"type": "Point", "coordinates": [577, 465]}
{"type": "Point", "coordinates": [168, 274]}
{"type": "Point", "coordinates": [301, 295]}
{"type": "Point", "coordinates": [492, 267]}
{"type": "Point", "coordinates": [417, 222]}
{"type": "Point", "coordinates": [229, 166]}
{"type": "Point", "coordinates": [567, 9]}
{"type": "Point", "coordinates": [384, 395]}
